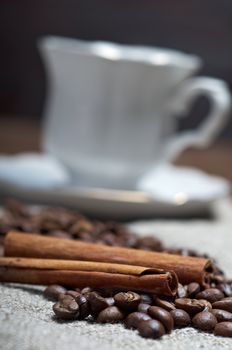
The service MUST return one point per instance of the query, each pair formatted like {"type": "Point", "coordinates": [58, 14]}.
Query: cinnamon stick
{"type": "Point", "coordinates": [87, 273]}
{"type": "Point", "coordinates": [188, 269]}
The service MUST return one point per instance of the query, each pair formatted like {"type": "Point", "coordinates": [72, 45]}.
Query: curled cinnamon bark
{"type": "Point", "coordinates": [83, 273]}
{"type": "Point", "coordinates": [188, 269]}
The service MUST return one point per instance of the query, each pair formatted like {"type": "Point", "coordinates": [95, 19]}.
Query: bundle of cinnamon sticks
{"type": "Point", "coordinates": [35, 259]}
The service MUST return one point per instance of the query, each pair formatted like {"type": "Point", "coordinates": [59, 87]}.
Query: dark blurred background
{"type": "Point", "coordinates": [201, 27]}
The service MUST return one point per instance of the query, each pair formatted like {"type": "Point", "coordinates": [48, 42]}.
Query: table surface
{"type": "Point", "coordinates": [24, 308]}
{"type": "Point", "coordinates": [20, 134]}
{"type": "Point", "coordinates": [26, 318]}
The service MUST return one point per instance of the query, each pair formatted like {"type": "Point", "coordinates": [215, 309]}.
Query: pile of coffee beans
{"type": "Point", "coordinates": [64, 223]}
{"type": "Point", "coordinates": [68, 224]}
{"type": "Point", "coordinates": [207, 310]}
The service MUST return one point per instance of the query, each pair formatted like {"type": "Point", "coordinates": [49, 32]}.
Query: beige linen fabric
{"type": "Point", "coordinates": [26, 318]}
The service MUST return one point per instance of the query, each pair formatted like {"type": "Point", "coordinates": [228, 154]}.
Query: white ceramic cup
{"type": "Point", "coordinates": [111, 109]}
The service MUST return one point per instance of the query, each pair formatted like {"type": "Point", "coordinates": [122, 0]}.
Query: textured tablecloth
{"type": "Point", "coordinates": [26, 318]}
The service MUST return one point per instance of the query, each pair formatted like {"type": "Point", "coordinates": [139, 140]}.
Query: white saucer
{"type": "Point", "coordinates": [165, 191]}
{"type": "Point", "coordinates": [112, 204]}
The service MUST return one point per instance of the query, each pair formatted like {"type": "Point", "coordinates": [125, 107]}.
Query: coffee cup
{"type": "Point", "coordinates": [111, 109]}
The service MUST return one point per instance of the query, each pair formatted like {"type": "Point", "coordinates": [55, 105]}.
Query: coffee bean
{"type": "Point", "coordinates": [210, 294]}
{"type": "Point", "coordinates": [205, 321]}
{"type": "Point", "coordinates": [226, 288]}
{"type": "Point", "coordinates": [207, 305]}
{"type": "Point", "coordinates": [111, 314]}
{"type": "Point", "coordinates": [66, 309]}
{"type": "Point", "coordinates": [86, 237]}
{"type": "Point", "coordinates": [181, 291]}
{"type": "Point", "coordinates": [146, 299]}
{"type": "Point", "coordinates": [163, 316]}
{"type": "Point", "coordinates": [134, 318]}
{"type": "Point", "coordinates": [17, 208]}
{"type": "Point", "coordinates": [180, 317]}
{"type": "Point", "coordinates": [149, 243]}
{"type": "Point", "coordinates": [51, 219]}
{"type": "Point", "coordinates": [167, 305]}
{"type": "Point", "coordinates": [191, 306]}
{"type": "Point", "coordinates": [224, 329]}
{"type": "Point", "coordinates": [223, 304]}
{"type": "Point", "coordinates": [105, 292]}
{"type": "Point", "coordinates": [59, 234]}
{"type": "Point", "coordinates": [143, 307]}
{"type": "Point", "coordinates": [81, 225]}
{"type": "Point", "coordinates": [73, 293]}
{"type": "Point", "coordinates": [86, 290]}
{"type": "Point", "coordinates": [151, 329]}
{"type": "Point", "coordinates": [192, 289]}
{"type": "Point", "coordinates": [1, 248]}
{"type": "Point", "coordinates": [65, 296]}
{"type": "Point", "coordinates": [222, 315]}
{"type": "Point", "coordinates": [217, 279]}
{"type": "Point", "coordinates": [127, 301]}
{"type": "Point", "coordinates": [84, 308]}
{"type": "Point", "coordinates": [97, 303]}
{"type": "Point", "coordinates": [52, 292]}
{"type": "Point", "coordinates": [110, 301]}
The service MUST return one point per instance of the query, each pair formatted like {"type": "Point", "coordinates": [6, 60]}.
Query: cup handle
{"type": "Point", "coordinates": [220, 99]}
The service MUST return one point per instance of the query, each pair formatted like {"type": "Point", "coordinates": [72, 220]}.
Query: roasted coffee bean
{"type": "Point", "coordinates": [161, 315]}
{"type": "Point", "coordinates": [181, 318]}
{"type": "Point", "coordinates": [65, 296]}
{"type": "Point", "coordinates": [167, 305]}
{"type": "Point", "coordinates": [51, 219]}
{"type": "Point", "coordinates": [111, 314]}
{"type": "Point", "coordinates": [85, 236]}
{"type": "Point", "coordinates": [25, 226]}
{"type": "Point", "coordinates": [67, 309]}
{"type": "Point", "coordinates": [143, 307]}
{"type": "Point", "coordinates": [84, 307]}
{"type": "Point", "coordinates": [73, 293]}
{"type": "Point", "coordinates": [59, 234]}
{"type": "Point", "coordinates": [109, 239]}
{"type": "Point", "coordinates": [226, 288]}
{"type": "Point", "coordinates": [106, 292]}
{"type": "Point", "coordinates": [151, 329]}
{"type": "Point", "coordinates": [97, 303]}
{"type": "Point", "coordinates": [207, 305]}
{"type": "Point", "coordinates": [224, 329]}
{"type": "Point", "coordinates": [149, 243]}
{"type": "Point", "coordinates": [146, 299]}
{"type": "Point", "coordinates": [205, 321]}
{"type": "Point", "coordinates": [17, 208]}
{"type": "Point", "coordinates": [127, 301]}
{"type": "Point", "coordinates": [52, 292]}
{"type": "Point", "coordinates": [110, 301]}
{"type": "Point", "coordinates": [191, 306]}
{"type": "Point", "coordinates": [86, 290]}
{"type": "Point", "coordinates": [210, 294]}
{"type": "Point", "coordinates": [192, 289]}
{"type": "Point", "coordinates": [222, 315]}
{"type": "Point", "coordinates": [134, 318]}
{"type": "Point", "coordinates": [1, 250]}
{"type": "Point", "coordinates": [181, 291]}
{"type": "Point", "coordinates": [81, 225]}
{"type": "Point", "coordinates": [217, 279]}
{"type": "Point", "coordinates": [223, 304]}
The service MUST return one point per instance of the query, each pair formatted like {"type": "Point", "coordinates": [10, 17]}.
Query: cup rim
{"type": "Point", "coordinates": [149, 55]}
